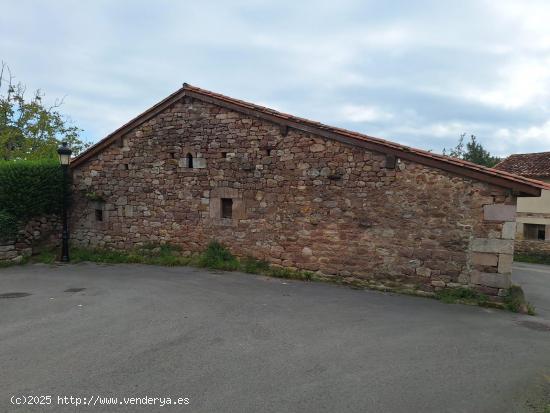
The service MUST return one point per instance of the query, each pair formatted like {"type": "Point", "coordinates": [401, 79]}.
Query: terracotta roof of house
{"type": "Point", "coordinates": [527, 164]}
{"type": "Point", "coordinates": [501, 178]}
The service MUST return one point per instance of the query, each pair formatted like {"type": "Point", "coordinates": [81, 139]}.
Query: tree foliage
{"type": "Point", "coordinates": [28, 128]}
{"type": "Point", "coordinates": [472, 151]}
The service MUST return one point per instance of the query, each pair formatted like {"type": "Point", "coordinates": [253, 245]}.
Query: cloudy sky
{"type": "Point", "coordinates": [416, 72]}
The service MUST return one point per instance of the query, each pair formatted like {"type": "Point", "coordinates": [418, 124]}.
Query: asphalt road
{"type": "Point", "coordinates": [535, 281]}
{"type": "Point", "coordinates": [241, 343]}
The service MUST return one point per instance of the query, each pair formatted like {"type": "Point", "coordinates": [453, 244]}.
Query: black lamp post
{"type": "Point", "coordinates": [64, 159]}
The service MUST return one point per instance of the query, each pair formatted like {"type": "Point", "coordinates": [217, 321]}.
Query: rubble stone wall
{"type": "Point", "coordinates": [298, 200]}
{"type": "Point", "coordinates": [38, 231]}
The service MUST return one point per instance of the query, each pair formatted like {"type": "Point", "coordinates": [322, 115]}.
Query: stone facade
{"type": "Point", "coordinates": [296, 199]}
{"type": "Point", "coordinates": [38, 231]}
{"type": "Point", "coordinates": [532, 245]}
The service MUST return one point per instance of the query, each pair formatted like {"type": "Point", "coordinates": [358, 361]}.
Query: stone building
{"type": "Point", "coordinates": [533, 214]}
{"type": "Point", "coordinates": [200, 166]}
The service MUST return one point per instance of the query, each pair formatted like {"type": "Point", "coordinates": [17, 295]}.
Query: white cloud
{"type": "Point", "coordinates": [422, 74]}
{"type": "Point", "coordinates": [357, 113]}
{"type": "Point", "coordinates": [518, 84]}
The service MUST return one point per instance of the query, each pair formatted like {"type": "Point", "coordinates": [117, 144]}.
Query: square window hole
{"type": "Point", "coordinates": [99, 215]}
{"type": "Point", "coordinates": [227, 208]}
{"type": "Point", "coordinates": [534, 231]}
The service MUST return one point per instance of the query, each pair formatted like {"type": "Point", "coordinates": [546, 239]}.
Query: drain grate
{"type": "Point", "coordinates": [14, 295]}
{"type": "Point", "coordinates": [535, 325]}
{"type": "Point", "coordinates": [73, 290]}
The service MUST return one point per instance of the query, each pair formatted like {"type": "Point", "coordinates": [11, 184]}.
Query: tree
{"type": "Point", "coordinates": [473, 152]}
{"type": "Point", "coordinates": [28, 128]}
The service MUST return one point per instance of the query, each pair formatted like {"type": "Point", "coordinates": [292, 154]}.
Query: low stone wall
{"type": "Point", "coordinates": [538, 247]}
{"type": "Point", "coordinates": [37, 232]}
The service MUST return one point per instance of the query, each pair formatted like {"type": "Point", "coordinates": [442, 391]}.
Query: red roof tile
{"type": "Point", "coordinates": [527, 164]}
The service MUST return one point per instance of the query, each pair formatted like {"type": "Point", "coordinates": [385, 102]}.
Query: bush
{"type": "Point", "coordinates": [30, 188]}
{"type": "Point", "coordinates": [8, 226]}
{"type": "Point", "coordinates": [218, 257]}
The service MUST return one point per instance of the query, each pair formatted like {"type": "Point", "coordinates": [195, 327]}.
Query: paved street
{"type": "Point", "coordinates": [242, 343]}
{"type": "Point", "coordinates": [535, 281]}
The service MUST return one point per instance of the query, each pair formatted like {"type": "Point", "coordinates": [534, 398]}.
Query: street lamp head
{"type": "Point", "coordinates": [64, 154]}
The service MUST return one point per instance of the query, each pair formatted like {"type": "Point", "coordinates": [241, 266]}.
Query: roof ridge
{"type": "Point", "coordinates": [529, 153]}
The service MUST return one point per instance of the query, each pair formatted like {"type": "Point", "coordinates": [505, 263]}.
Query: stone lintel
{"type": "Point", "coordinates": [499, 246]}
{"type": "Point", "coordinates": [499, 212]}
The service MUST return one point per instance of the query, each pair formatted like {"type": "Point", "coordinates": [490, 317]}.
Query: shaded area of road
{"type": "Point", "coordinates": [242, 343]}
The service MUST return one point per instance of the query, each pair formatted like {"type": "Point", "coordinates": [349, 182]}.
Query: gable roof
{"type": "Point", "coordinates": [518, 184]}
{"type": "Point", "coordinates": [527, 164]}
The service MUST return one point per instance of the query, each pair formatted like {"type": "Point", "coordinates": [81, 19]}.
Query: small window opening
{"type": "Point", "coordinates": [99, 215]}
{"type": "Point", "coordinates": [172, 155]}
{"type": "Point", "coordinates": [268, 151]}
{"type": "Point", "coordinates": [390, 161]}
{"type": "Point", "coordinates": [227, 208]}
{"type": "Point", "coordinates": [125, 166]}
{"type": "Point", "coordinates": [534, 231]}
{"type": "Point", "coordinates": [224, 154]}
{"type": "Point", "coordinates": [189, 160]}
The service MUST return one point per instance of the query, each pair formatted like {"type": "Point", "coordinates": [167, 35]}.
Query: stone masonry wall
{"type": "Point", "coordinates": [534, 247]}
{"type": "Point", "coordinates": [298, 201]}
{"type": "Point", "coordinates": [38, 231]}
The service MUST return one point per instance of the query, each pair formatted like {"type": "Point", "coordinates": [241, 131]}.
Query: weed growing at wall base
{"type": "Point", "coordinates": [167, 255]}
{"type": "Point", "coordinates": [532, 258]}
{"type": "Point", "coordinates": [461, 295]}
{"type": "Point", "coordinates": [218, 257]}
{"type": "Point", "coordinates": [515, 301]}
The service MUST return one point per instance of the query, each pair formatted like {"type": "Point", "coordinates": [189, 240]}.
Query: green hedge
{"type": "Point", "coordinates": [8, 226]}
{"type": "Point", "coordinates": [28, 189]}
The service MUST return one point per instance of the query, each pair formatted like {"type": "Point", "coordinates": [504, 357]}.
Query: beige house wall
{"type": "Point", "coordinates": [533, 211]}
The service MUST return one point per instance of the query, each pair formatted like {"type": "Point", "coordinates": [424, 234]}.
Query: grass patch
{"type": "Point", "coordinates": [46, 256]}
{"type": "Point", "coordinates": [461, 295]}
{"type": "Point", "coordinates": [532, 259]}
{"type": "Point", "coordinates": [290, 274]}
{"type": "Point", "coordinates": [252, 265]}
{"type": "Point", "coordinates": [515, 301]}
{"type": "Point", "coordinates": [24, 260]}
{"type": "Point", "coordinates": [218, 257]}
{"type": "Point", "coordinates": [165, 254]}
